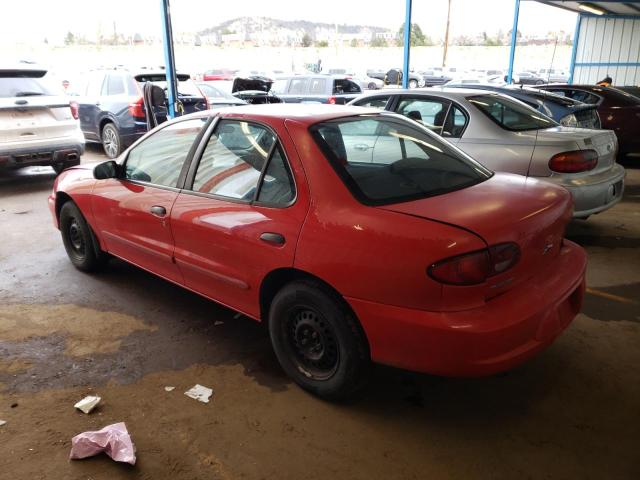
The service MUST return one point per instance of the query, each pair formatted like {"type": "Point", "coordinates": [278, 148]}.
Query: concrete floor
{"type": "Point", "coordinates": [572, 412]}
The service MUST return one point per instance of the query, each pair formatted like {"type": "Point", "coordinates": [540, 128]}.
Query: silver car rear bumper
{"type": "Point", "coordinates": [593, 193]}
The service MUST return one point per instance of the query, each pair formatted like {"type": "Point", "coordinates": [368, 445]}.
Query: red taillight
{"type": "Point", "coordinates": [475, 267]}
{"type": "Point", "coordinates": [332, 100]}
{"type": "Point", "coordinates": [574, 161]}
{"type": "Point", "coordinates": [74, 109]}
{"type": "Point", "coordinates": [136, 109]}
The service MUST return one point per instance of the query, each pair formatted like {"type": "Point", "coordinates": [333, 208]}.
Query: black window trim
{"type": "Point", "coordinates": [185, 165]}
{"type": "Point", "coordinates": [187, 185]}
{"type": "Point", "coordinates": [352, 185]}
{"type": "Point", "coordinates": [467, 118]}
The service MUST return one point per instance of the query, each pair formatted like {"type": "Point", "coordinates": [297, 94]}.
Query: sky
{"type": "Point", "coordinates": [34, 20]}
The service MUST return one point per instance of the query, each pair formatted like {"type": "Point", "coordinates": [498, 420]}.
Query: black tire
{"type": "Point", "coordinates": [79, 241]}
{"type": "Point", "coordinates": [413, 83]}
{"type": "Point", "coordinates": [317, 340]}
{"type": "Point", "coordinates": [372, 86]}
{"type": "Point", "coordinates": [111, 141]}
{"type": "Point", "coordinates": [539, 82]}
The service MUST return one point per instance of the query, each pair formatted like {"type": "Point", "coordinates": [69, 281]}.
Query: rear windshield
{"type": "Point", "coordinates": [386, 159]}
{"type": "Point", "coordinates": [510, 114]}
{"type": "Point", "coordinates": [345, 86]}
{"type": "Point", "coordinates": [25, 87]}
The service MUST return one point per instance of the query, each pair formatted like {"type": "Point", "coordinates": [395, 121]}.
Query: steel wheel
{"type": "Point", "coordinates": [76, 239]}
{"type": "Point", "coordinates": [312, 343]}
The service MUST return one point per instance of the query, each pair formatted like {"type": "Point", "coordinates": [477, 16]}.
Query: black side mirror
{"type": "Point", "coordinates": [106, 170]}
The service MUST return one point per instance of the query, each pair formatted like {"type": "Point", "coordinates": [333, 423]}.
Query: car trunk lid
{"type": "Point", "coordinates": [506, 208]}
{"type": "Point", "coordinates": [28, 118]}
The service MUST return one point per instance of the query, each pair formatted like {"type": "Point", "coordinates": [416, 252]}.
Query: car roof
{"type": "Point", "coordinates": [453, 93]}
{"type": "Point", "coordinates": [308, 114]}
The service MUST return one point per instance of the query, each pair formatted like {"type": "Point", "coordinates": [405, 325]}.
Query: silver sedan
{"type": "Point", "coordinates": [507, 135]}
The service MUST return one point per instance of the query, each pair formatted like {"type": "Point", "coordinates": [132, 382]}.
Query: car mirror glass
{"type": "Point", "coordinates": [105, 170]}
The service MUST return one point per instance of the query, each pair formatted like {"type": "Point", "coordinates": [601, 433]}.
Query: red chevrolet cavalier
{"type": "Point", "coordinates": [356, 235]}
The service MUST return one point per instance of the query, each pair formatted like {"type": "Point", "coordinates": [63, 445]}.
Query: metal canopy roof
{"type": "Point", "coordinates": [609, 7]}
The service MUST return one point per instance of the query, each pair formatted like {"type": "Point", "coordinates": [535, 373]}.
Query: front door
{"type": "Point", "coordinates": [240, 215]}
{"type": "Point", "coordinates": [133, 213]}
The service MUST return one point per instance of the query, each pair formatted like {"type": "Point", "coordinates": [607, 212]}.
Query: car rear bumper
{"type": "Point", "coordinates": [594, 193]}
{"type": "Point", "coordinates": [63, 153]}
{"type": "Point", "coordinates": [504, 332]}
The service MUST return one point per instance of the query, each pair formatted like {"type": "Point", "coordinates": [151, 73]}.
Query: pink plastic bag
{"type": "Point", "coordinates": [114, 440]}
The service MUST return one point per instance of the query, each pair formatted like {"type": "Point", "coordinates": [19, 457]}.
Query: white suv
{"type": "Point", "coordinates": [38, 123]}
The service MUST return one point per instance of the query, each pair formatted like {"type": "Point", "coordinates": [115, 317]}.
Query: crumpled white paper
{"type": "Point", "coordinates": [87, 403]}
{"type": "Point", "coordinates": [200, 393]}
{"type": "Point", "coordinates": [114, 440]}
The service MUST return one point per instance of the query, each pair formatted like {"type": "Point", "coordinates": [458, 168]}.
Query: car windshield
{"type": "Point", "coordinates": [213, 92]}
{"type": "Point", "coordinates": [386, 159]}
{"type": "Point", "coordinates": [510, 114]}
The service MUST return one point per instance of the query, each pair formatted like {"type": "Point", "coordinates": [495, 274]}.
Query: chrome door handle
{"type": "Point", "coordinates": [273, 238]}
{"type": "Point", "coordinates": [158, 211]}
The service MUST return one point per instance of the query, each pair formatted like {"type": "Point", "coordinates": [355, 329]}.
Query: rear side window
{"type": "Point", "coordinates": [318, 86]}
{"type": "Point", "coordinates": [456, 123]}
{"type": "Point", "coordinates": [159, 158]}
{"type": "Point", "coordinates": [510, 114]}
{"type": "Point", "coordinates": [378, 102]}
{"type": "Point", "coordinates": [115, 85]}
{"type": "Point", "coordinates": [431, 113]}
{"type": "Point", "coordinates": [277, 184]}
{"type": "Point", "coordinates": [233, 160]}
{"type": "Point", "coordinates": [345, 86]}
{"type": "Point", "coordinates": [386, 160]}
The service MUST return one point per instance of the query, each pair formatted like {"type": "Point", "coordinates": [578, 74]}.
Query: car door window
{"type": "Point", "coordinates": [159, 158]}
{"type": "Point", "coordinates": [318, 86]}
{"type": "Point", "coordinates": [430, 112]}
{"type": "Point", "coordinates": [582, 96]}
{"type": "Point", "coordinates": [277, 187]}
{"type": "Point", "coordinates": [378, 102]}
{"type": "Point", "coordinates": [233, 160]}
{"type": "Point", "coordinates": [298, 86]}
{"type": "Point", "coordinates": [94, 86]}
{"type": "Point", "coordinates": [115, 85]}
{"type": "Point", "coordinates": [456, 123]}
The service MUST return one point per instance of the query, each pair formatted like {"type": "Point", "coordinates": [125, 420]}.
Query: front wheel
{"type": "Point", "coordinates": [79, 241]}
{"type": "Point", "coordinates": [318, 342]}
{"type": "Point", "coordinates": [413, 83]}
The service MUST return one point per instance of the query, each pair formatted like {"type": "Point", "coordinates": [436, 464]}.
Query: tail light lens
{"type": "Point", "coordinates": [574, 161]}
{"type": "Point", "coordinates": [475, 267]}
{"type": "Point", "coordinates": [136, 109]}
{"type": "Point", "coordinates": [74, 109]}
{"type": "Point", "coordinates": [332, 100]}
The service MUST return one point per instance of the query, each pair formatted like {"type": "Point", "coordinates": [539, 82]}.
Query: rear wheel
{"type": "Point", "coordinates": [317, 340]}
{"type": "Point", "coordinates": [111, 141]}
{"type": "Point", "coordinates": [413, 83]}
{"type": "Point", "coordinates": [79, 241]}
{"type": "Point", "coordinates": [372, 86]}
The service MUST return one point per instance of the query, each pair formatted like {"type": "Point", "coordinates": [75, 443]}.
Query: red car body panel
{"type": "Point", "coordinates": [375, 257]}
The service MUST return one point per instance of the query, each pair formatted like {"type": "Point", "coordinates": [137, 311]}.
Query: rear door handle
{"type": "Point", "coordinates": [158, 211]}
{"type": "Point", "coordinates": [273, 238]}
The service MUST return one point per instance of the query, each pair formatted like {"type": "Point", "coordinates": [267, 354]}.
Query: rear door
{"type": "Point", "coordinates": [90, 106]}
{"type": "Point", "coordinates": [133, 213]}
{"type": "Point", "coordinates": [296, 90]}
{"type": "Point", "coordinates": [240, 214]}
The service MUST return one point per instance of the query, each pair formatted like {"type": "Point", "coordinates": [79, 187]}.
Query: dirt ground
{"type": "Point", "coordinates": [572, 412]}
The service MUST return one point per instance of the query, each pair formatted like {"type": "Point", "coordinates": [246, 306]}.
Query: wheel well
{"type": "Point", "coordinates": [103, 122]}
{"type": "Point", "coordinates": [61, 199]}
{"type": "Point", "coordinates": [277, 279]}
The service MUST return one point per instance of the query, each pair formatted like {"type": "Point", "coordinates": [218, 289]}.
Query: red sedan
{"type": "Point", "coordinates": [357, 235]}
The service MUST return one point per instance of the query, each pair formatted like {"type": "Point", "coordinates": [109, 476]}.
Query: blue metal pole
{"type": "Point", "coordinates": [407, 45]}
{"type": "Point", "coordinates": [514, 39]}
{"type": "Point", "coordinates": [574, 49]}
{"type": "Point", "coordinates": [169, 59]}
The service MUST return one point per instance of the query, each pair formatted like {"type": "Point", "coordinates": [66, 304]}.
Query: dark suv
{"type": "Point", "coordinates": [318, 88]}
{"type": "Point", "coordinates": [111, 105]}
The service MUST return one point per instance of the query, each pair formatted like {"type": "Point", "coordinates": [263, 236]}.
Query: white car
{"type": "Point", "coordinates": [38, 123]}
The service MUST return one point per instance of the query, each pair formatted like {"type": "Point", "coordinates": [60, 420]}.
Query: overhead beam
{"type": "Point", "coordinates": [169, 60]}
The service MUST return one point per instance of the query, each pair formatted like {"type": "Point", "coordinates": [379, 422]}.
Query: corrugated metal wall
{"type": "Point", "coordinates": [608, 46]}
